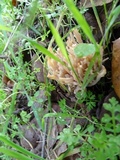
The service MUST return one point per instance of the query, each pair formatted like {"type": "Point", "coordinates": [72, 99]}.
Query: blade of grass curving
{"type": "Point", "coordinates": [81, 21]}
{"type": "Point", "coordinates": [14, 154]}
{"type": "Point", "coordinates": [18, 148]}
{"type": "Point", "coordinates": [111, 19]}
{"type": "Point", "coordinates": [88, 79]}
{"type": "Point", "coordinates": [4, 28]}
{"type": "Point", "coordinates": [115, 11]}
{"type": "Point", "coordinates": [58, 39]}
{"type": "Point", "coordinates": [62, 47]}
{"type": "Point", "coordinates": [57, 28]}
{"type": "Point", "coordinates": [87, 30]}
{"type": "Point", "coordinates": [44, 51]}
{"type": "Point", "coordinates": [97, 16]}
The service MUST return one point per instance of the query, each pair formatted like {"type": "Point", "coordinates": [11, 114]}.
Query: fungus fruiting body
{"type": "Point", "coordinates": [64, 75]}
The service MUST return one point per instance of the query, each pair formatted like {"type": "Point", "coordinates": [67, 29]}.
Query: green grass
{"type": "Point", "coordinates": [20, 152]}
{"type": "Point", "coordinates": [97, 140]}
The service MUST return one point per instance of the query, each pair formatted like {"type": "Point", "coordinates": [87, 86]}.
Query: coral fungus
{"type": "Point", "coordinates": [64, 75]}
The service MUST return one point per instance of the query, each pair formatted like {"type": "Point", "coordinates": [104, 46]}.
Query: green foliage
{"type": "Point", "coordinates": [96, 142]}
{"type": "Point", "coordinates": [31, 13]}
{"type": "Point", "coordinates": [88, 98]}
{"type": "Point", "coordinates": [64, 109]}
{"type": "Point", "coordinates": [87, 30]}
{"type": "Point", "coordinates": [115, 12]}
{"type": "Point", "coordinates": [2, 95]}
{"type": "Point", "coordinates": [32, 102]}
{"type": "Point", "coordinates": [113, 118]}
{"type": "Point", "coordinates": [70, 137]}
{"type": "Point", "coordinates": [80, 19]}
{"type": "Point", "coordinates": [18, 152]}
{"type": "Point", "coordinates": [84, 49]}
{"type": "Point", "coordinates": [58, 39]}
{"type": "Point", "coordinates": [44, 50]}
{"type": "Point", "coordinates": [4, 28]}
{"type": "Point", "coordinates": [25, 117]}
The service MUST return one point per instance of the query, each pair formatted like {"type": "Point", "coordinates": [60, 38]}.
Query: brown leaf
{"type": "Point", "coordinates": [7, 81]}
{"type": "Point", "coordinates": [88, 4]}
{"type": "Point", "coordinates": [14, 3]}
{"type": "Point", "coordinates": [73, 157]}
{"type": "Point", "coordinates": [116, 66]}
{"type": "Point", "coordinates": [31, 137]}
{"type": "Point", "coordinates": [61, 149]}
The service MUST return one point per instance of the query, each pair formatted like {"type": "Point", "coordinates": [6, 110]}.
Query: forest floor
{"type": "Point", "coordinates": [39, 113]}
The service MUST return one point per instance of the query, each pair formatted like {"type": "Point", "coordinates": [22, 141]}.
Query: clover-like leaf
{"type": "Point", "coordinates": [84, 49]}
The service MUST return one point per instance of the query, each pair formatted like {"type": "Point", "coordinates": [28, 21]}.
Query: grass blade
{"type": "Point", "coordinates": [97, 16]}
{"type": "Point", "coordinates": [58, 39]}
{"type": "Point", "coordinates": [44, 50]}
{"type": "Point", "coordinates": [113, 16]}
{"type": "Point", "coordinates": [18, 148]}
{"type": "Point", "coordinates": [14, 154]}
{"type": "Point", "coordinates": [80, 20]}
{"type": "Point", "coordinates": [87, 30]}
{"type": "Point", "coordinates": [4, 28]}
{"type": "Point", "coordinates": [62, 47]}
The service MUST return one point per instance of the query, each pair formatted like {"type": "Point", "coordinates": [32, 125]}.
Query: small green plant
{"type": "Point", "coordinates": [100, 141]}
{"type": "Point", "coordinates": [87, 98]}
{"type": "Point", "coordinates": [25, 116]}
{"type": "Point", "coordinates": [111, 121]}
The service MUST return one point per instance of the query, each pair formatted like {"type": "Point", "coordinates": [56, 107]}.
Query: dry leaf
{"type": "Point", "coordinates": [8, 82]}
{"type": "Point", "coordinates": [87, 3]}
{"type": "Point", "coordinates": [31, 137]}
{"type": "Point", "coordinates": [61, 149]}
{"type": "Point", "coordinates": [14, 3]}
{"type": "Point", "coordinates": [116, 66]}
